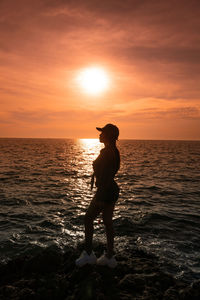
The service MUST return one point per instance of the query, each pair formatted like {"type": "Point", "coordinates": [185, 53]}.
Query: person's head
{"type": "Point", "coordinates": [109, 134]}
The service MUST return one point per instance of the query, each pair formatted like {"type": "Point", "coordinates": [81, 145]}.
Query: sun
{"type": "Point", "coordinates": [93, 80]}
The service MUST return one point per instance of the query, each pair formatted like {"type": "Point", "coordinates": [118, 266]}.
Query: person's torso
{"type": "Point", "coordinates": [106, 165]}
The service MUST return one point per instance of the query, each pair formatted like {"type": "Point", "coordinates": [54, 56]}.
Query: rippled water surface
{"type": "Point", "coordinates": [44, 193]}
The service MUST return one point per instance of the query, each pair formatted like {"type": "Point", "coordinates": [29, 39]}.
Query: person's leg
{"type": "Point", "coordinates": [93, 210]}
{"type": "Point", "coordinates": [107, 219]}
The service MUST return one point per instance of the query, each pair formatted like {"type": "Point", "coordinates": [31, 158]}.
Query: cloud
{"type": "Point", "coordinates": [151, 48]}
{"type": "Point", "coordinates": [143, 115]}
{"type": "Point", "coordinates": [72, 116]}
{"type": "Point", "coordinates": [47, 116]}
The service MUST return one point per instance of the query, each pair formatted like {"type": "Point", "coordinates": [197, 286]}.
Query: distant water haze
{"type": "Point", "coordinates": [45, 190]}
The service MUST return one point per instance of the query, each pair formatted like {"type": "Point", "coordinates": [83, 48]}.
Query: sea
{"type": "Point", "coordinates": [45, 191]}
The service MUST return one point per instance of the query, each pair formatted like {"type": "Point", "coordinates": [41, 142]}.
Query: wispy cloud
{"type": "Point", "coordinates": [152, 49]}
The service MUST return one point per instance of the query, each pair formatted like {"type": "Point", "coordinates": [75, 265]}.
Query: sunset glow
{"type": "Point", "coordinates": [93, 80]}
{"type": "Point", "coordinates": [66, 66]}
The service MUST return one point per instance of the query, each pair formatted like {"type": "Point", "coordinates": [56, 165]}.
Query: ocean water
{"type": "Point", "coordinates": [45, 191]}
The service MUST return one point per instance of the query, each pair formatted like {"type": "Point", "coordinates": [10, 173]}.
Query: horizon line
{"type": "Point", "coordinates": [67, 138]}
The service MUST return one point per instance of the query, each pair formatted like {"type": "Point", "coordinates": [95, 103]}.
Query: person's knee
{"type": "Point", "coordinates": [107, 222]}
{"type": "Point", "coordinates": [88, 219]}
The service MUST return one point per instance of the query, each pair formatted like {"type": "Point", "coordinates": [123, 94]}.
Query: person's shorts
{"type": "Point", "coordinates": [108, 195]}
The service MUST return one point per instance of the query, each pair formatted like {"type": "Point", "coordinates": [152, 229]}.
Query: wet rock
{"type": "Point", "coordinates": [121, 270]}
{"type": "Point", "coordinates": [12, 269]}
{"type": "Point", "coordinates": [171, 294]}
{"type": "Point", "coordinates": [160, 280]}
{"type": "Point", "coordinates": [53, 275]}
{"type": "Point", "coordinates": [9, 291]}
{"type": "Point", "coordinates": [191, 292]}
{"type": "Point", "coordinates": [47, 261]}
{"type": "Point", "coordinates": [132, 283]}
{"type": "Point", "coordinates": [26, 294]}
{"type": "Point", "coordinates": [196, 287]}
{"type": "Point", "coordinates": [152, 292]}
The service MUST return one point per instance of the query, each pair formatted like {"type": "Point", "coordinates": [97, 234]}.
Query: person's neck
{"type": "Point", "coordinates": [108, 145]}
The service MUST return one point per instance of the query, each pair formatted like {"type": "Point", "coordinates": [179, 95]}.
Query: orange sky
{"type": "Point", "coordinates": [150, 49]}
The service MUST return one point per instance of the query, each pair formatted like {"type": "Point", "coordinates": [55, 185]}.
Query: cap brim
{"type": "Point", "coordinates": [99, 129]}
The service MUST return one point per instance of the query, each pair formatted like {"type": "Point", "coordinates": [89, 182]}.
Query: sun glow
{"type": "Point", "coordinates": [90, 144]}
{"type": "Point", "coordinates": [93, 80]}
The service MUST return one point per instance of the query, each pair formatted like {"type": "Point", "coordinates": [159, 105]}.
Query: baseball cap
{"type": "Point", "coordinates": [110, 130]}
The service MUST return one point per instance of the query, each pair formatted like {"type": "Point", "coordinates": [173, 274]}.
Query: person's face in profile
{"type": "Point", "coordinates": [102, 138]}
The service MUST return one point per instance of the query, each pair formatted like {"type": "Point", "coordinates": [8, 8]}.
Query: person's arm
{"type": "Point", "coordinates": [92, 181]}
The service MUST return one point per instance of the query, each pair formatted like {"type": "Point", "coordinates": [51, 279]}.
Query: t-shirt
{"type": "Point", "coordinates": [106, 166]}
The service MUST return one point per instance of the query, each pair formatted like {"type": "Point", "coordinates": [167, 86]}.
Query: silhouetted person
{"type": "Point", "coordinates": [105, 167]}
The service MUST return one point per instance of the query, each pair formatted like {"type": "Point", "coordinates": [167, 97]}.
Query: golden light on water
{"type": "Point", "coordinates": [89, 143]}
{"type": "Point", "coordinates": [89, 151]}
{"type": "Point", "coordinates": [93, 80]}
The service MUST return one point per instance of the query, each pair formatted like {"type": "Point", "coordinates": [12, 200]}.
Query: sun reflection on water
{"type": "Point", "coordinates": [90, 144]}
{"type": "Point", "coordinates": [89, 151]}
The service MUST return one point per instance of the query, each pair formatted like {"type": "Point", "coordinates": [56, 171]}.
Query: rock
{"type": "Point", "coordinates": [9, 291]}
{"type": "Point", "coordinates": [53, 275]}
{"type": "Point", "coordinates": [191, 292]}
{"type": "Point", "coordinates": [161, 280]}
{"type": "Point", "coordinates": [171, 294]}
{"type": "Point", "coordinates": [47, 261]}
{"type": "Point", "coordinates": [132, 283]}
{"type": "Point", "coordinates": [196, 286]}
{"type": "Point", "coordinates": [87, 289]}
{"type": "Point", "coordinates": [26, 294]}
